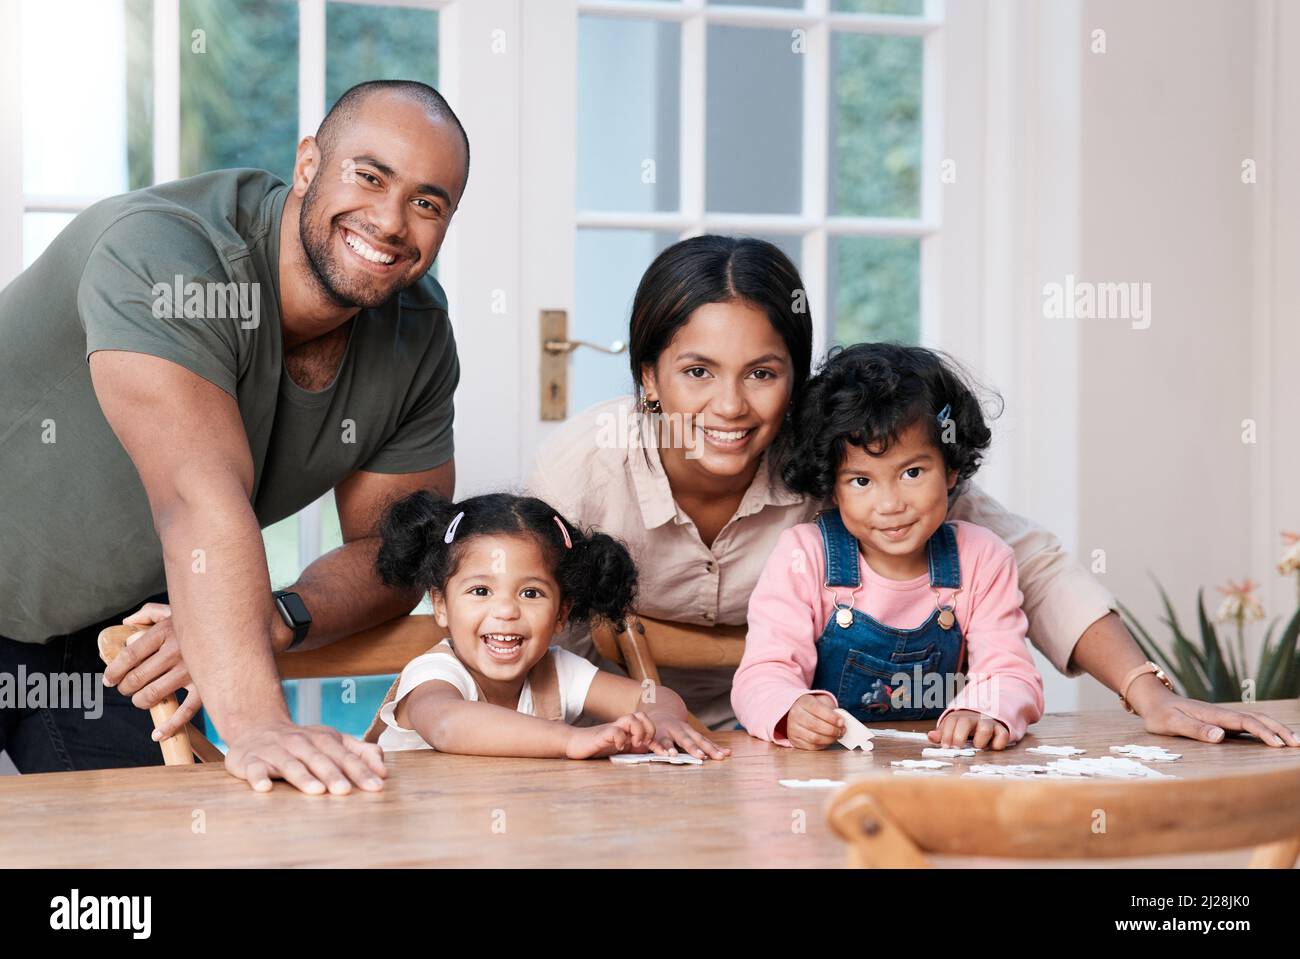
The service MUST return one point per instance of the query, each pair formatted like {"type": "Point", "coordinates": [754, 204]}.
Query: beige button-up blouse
{"type": "Point", "coordinates": [597, 472]}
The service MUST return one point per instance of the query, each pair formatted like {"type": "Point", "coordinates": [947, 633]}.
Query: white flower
{"type": "Point", "coordinates": [1238, 605]}
{"type": "Point", "coordinates": [1290, 561]}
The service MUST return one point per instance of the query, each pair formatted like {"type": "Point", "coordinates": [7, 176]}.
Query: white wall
{"type": "Point", "coordinates": [1166, 483]}
{"type": "Point", "coordinates": [1125, 166]}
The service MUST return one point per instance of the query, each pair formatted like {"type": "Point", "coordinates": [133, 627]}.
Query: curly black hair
{"type": "Point", "coordinates": [596, 576]}
{"type": "Point", "coordinates": [867, 394]}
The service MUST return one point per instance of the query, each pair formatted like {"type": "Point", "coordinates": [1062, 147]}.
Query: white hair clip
{"type": "Point", "coordinates": [451, 527]}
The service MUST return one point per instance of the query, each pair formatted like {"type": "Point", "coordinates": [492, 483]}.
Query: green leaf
{"type": "Point", "coordinates": [1286, 679]}
{"type": "Point", "coordinates": [1267, 662]}
{"type": "Point", "coordinates": [1171, 621]}
{"type": "Point", "coordinates": [1149, 648]}
{"type": "Point", "coordinates": [1191, 672]}
{"type": "Point", "coordinates": [1219, 675]}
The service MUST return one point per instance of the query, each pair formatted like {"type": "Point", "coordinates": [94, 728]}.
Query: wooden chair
{"type": "Point", "coordinates": [894, 822]}
{"type": "Point", "coordinates": [379, 651]}
{"type": "Point", "coordinates": [641, 645]}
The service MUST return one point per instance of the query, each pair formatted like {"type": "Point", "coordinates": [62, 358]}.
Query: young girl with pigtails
{"type": "Point", "coordinates": [504, 574]}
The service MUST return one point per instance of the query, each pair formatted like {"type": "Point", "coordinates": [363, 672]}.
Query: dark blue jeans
{"type": "Point", "coordinates": [45, 733]}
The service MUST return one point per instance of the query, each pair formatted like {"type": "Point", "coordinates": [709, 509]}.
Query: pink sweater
{"type": "Point", "coordinates": [789, 609]}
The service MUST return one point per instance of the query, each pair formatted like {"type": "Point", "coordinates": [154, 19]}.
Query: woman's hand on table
{"type": "Point", "coordinates": [1165, 713]}
{"type": "Point", "coordinates": [958, 726]}
{"type": "Point", "coordinates": [150, 668]}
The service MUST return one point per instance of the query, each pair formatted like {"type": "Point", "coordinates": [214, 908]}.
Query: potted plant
{"type": "Point", "coordinates": [1216, 672]}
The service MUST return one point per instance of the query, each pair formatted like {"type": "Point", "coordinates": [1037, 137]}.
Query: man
{"type": "Point", "coordinates": [188, 364]}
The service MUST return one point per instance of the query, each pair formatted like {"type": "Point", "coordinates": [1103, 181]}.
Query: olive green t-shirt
{"type": "Point", "coordinates": [186, 271]}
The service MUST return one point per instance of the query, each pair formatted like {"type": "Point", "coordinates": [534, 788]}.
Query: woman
{"type": "Point", "coordinates": [720, 348]}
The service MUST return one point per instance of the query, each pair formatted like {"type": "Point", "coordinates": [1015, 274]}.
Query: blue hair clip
{"type": "Point", "coordinates": [943, 414]}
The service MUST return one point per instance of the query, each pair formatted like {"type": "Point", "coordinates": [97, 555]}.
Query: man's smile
{"type": "Point", "coordinates": [376, 256]}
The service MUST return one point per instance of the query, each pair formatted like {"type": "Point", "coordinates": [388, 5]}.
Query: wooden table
{"type": "Point", "coordinates": [442, 810]}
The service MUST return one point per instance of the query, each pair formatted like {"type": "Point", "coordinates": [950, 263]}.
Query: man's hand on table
{"type": "Point", "coordinates": [311, 758]}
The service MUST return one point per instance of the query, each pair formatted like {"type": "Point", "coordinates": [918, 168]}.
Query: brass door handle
{"type": "Point", "coordinates": [568, 346]}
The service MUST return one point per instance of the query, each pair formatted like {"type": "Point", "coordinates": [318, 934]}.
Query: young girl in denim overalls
{"type": "Point", "coordinates": [884, 607]}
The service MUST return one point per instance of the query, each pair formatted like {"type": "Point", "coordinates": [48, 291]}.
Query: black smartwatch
{"type": "Point", "coordinates": [294, 613]}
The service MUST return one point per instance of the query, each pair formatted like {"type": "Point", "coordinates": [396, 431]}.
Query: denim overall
{"type": "Point", "coordinates": [858, 662]}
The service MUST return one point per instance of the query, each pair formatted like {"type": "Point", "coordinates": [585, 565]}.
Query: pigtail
{"type": "Point", "coordinates": [412, 550]}
{"type": "Point", "coordinates": [597, 576]}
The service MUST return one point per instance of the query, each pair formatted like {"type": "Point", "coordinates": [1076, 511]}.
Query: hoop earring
{"type": "Point", "coordinates": [652, 406]}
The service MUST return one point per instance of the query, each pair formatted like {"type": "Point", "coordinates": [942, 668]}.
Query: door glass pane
{"type": "Point", "coordinates": [876, 291]}
{"type": "Point", "coordinates": [629, 74]}
{"type": "Point", "coordinates": [906, 8]}
{"type": "Point", "coordinates": [349, 705]}
{"type": "Point", "coordinates": [755, 114]}
{"type": "Point", "coordinates": [609, 267]}
{"type": "Point", "coordinates": [74, 132]}
{"type": "Point", "coordinates": [875, 125]}
{"type": "Point", "coordinates": [239, 85]}
{"type": "Point", "coordinates": [281, 540]}
{"type": "Point", "coordinates": [365, 42]}
{"type": "Point", "coordinates": [39, 229]}
{"type": "Point", "coordinates": [139, 93]}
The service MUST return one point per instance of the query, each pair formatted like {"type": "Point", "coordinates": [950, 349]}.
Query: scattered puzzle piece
{"type": "Point", "coordinates": [856, 735]}
{"type": "Point", "coordinates": [919, 763]}
{"type": "Point", "coordinates": [949, 751]}
{"type": "Point", "coordinates": [901, 734]}
{"type": "Point", "coordinates": [991, 769]}
{"type": "Point", "coordinates": [631, 759]}
{"type": "Point", "coordinates": [919, 772]}
{"type": "Point", "coordinates": [811, 783]}
{"type": "Point", "coordinates": [1056, 750]}
{"type": "Point", "coordinates": [1155, 754]}
{"type": "Point", "coordinates": [1111, 767]}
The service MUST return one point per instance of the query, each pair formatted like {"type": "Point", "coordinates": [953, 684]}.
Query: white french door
{"type": "Point", "coordinates": [633, 129]}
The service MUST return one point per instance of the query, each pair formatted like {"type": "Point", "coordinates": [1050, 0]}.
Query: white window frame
{"type": "Point", "coordinates": [814, 225]}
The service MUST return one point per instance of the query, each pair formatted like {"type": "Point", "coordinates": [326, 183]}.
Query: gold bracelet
{"type": "Point", "coordinates": [1147, 667]}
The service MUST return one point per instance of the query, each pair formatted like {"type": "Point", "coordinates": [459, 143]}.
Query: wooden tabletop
{"type": "Point", "coordinates": [443, 810]}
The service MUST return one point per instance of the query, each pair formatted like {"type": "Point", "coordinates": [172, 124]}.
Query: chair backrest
{"type": "Point", "coordinates": [893, 822]}
{"type": "Point", "coordinates": [676, 645]}
{"type": "Point", "coordinates": [377, 651]}
{"type": "Point", "coordinates": [641, 644]}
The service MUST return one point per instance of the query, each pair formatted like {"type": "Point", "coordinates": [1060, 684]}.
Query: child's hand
{"type": "Point", "coordinates": [812, 722]}
{"type": "Point", "coordinates": [960, 724]}
{"type": "Point", "coordinates": [672, 733]}
{"type": "Point", "coordinates": [633, 733]}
